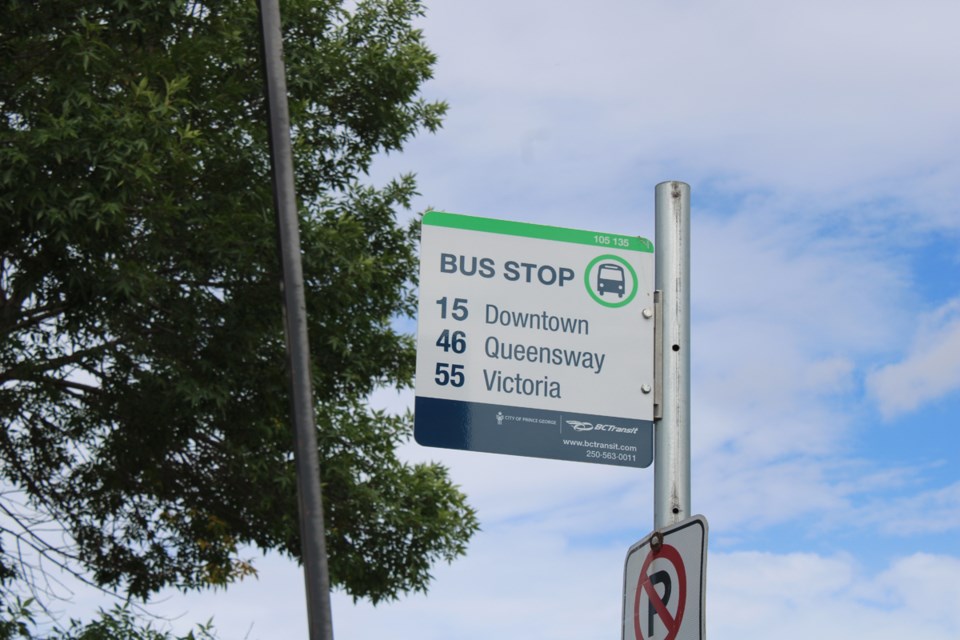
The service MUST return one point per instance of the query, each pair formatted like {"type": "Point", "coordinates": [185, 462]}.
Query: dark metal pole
{"type": "Point", "coordinates": [312, 536]}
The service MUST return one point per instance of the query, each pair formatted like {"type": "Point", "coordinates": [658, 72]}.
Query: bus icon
{"type": "Point", "coordinates": [610, 277]}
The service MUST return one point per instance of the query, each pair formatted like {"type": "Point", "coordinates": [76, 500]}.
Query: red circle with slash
{"type": "Point", "coordinates": [671, 622]}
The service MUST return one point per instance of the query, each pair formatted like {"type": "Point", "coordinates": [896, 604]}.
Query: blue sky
{"type": "Point", "coordinates": [820, 142]}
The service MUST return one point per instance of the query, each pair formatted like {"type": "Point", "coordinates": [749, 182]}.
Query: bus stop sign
{"type": "Point", "coordinates": [535, 340]}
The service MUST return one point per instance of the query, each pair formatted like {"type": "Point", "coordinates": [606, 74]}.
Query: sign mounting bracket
{"type": "Point", "coordinates": [657, 355]}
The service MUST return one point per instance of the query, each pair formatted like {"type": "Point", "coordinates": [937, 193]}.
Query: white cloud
{"type": "Point", "coordinates": [528, 581]}
{"type": "Point", "coordinates": [799, 596]}
{"type": "Point", "coordinates": [552, 104]}
{"type": "Point", "coordinates": [929, 371]}
{"type": "Point", "coordinates": [926, 585]}
{"type": "Point", "coordinates": [782, 319]}
{"type": "Point", "coordinates": [926, 512]}
{"type": "Point", "coordinates": [751, 497]}
{"type": "Point", "coordinates": [521, 587]}
{"type": "Point", "coordinates": [539, 591]}
{"type": "Point", "coordinates": [514, 585]}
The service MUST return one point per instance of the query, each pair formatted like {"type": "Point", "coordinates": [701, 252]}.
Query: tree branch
{"type": "Point", "coordinates": [28, 370]}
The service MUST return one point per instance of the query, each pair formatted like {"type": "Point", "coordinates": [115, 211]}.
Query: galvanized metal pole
{"type": "Point", "coordinates": [671, 478]}
{"type": "Point", "coordinates": [312, 536]}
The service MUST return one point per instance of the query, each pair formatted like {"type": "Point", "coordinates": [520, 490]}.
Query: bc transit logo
{"type": "Point", "coordinates": [611, 281]}
{"type": "Point", "coordinates": [580, 425]}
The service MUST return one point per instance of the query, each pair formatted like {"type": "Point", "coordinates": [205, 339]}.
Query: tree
{"type": "Point", "coordinates": [142, 382]}
{"type": "Point", "coordinates": [19, 623]}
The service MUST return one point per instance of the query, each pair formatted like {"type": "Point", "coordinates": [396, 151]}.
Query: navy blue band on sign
{"type": "Point", "coordinates": [538, 433]}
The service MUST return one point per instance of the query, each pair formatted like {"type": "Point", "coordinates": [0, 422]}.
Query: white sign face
{"type": "Point", "coordinates": [664, 584]}
{"type": "Point", "coordinates": [535, 340]}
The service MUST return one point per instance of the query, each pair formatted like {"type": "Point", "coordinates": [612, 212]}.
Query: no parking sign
{"type": "Point", "coordinates": [664, 583]}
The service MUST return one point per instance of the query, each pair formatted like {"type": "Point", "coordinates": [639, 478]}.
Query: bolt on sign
{"type": "Point", "coordinates": [664, 584]}
{"type": "Point", "coordinates": [535, 341]}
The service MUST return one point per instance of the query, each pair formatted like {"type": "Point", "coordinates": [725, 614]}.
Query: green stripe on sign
{"type": "Point", "coordinates": [542, 231]}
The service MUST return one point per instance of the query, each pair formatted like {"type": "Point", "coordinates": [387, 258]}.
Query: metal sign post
{"type": "Point", "coordinates": [312, 536]}
{"type": "Point", "coordinates": [665, 573]}
{"type": "Point", "coordinates": [671, 479]}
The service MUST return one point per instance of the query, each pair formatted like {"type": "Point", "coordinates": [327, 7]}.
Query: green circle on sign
{"type": "Point", "coordinates": [595, 295]}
